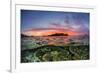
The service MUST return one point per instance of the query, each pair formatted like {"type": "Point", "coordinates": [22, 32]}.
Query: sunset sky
{"type": "Point", "coordinates": [43, 23]}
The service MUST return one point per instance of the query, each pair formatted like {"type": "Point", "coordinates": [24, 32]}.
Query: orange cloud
{"type": "Point", "coordinates": [49, 32]}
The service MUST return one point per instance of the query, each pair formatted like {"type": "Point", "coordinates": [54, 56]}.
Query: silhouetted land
{"type": "Point", "coordinates": [58, 34]}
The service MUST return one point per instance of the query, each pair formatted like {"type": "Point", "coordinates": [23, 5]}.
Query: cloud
{"type": "Point", "coordinates": [71, 24]}
{"type": "Point", "coordinates": [44, 29]}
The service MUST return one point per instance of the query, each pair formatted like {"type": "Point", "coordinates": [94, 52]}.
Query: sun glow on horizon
{"type": "Point", "coordinates": [49, 32]}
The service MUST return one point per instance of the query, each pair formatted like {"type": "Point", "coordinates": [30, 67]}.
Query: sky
{"type": "Point", "coordinates": [43, 23]}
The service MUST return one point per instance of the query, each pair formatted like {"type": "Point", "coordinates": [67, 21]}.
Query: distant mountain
{"type": "Point", "coordinates": [58, 34]}
{"type": "Point", "coordinates": [23, 35]}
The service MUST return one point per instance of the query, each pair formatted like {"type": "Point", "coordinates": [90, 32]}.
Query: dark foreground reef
{"type": "Point", "coordinates": [55, 53]}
